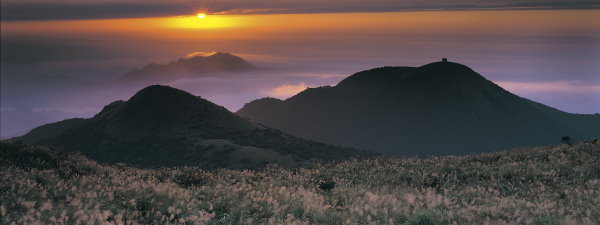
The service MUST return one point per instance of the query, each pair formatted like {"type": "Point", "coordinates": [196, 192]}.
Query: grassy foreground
{"type": "Point", "coordinates": [548, 185]}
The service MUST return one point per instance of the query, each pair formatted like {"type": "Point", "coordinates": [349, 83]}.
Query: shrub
{"type": "Point", "coordinates": [426, 218]}
{"type": "Point", "coordinates": [326, 185]}
{"type": "Point", "coordinates": [567, 140]}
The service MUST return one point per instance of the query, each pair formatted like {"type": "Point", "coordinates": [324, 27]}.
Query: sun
{"type": "Point", "coordinates": [201, 21]}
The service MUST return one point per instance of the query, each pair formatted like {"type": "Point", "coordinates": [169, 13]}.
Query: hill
{"type": "Point", "coordinates": [189, 67]}
{"type": "Point", "coordinates": [545, 185]}
{"type": "Point", "coordinates": [162, 126]}
{"type": "Point", "coordinates": [441, 108]}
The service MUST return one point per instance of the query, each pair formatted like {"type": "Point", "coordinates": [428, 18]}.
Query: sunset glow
{"type": "Point", "coordinates": [505, 22]}
{"type": "Point", "coordinates": [201, 21]}
{"type": "Point", "coordinates": [298, 48]}
{"type": "Point", "coordinates": [300, 112]}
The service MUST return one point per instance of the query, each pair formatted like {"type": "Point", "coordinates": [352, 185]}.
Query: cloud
{"type": "Point", "coordinates": [194, 54]}
{"type": "Point", "coordinates": [13, 10]}
{"type": "Point", "coordinates": [566, 95]}
{"type": "Point", "coordinates": [19, 49]}
{"type": "Point", "coordinates": [401, 6]}
{"type": "Point", "coordinates": [287, 90]}
{"type": "Point", "coordinates": [95, 9]}
{"type": "Point", "coordinates": [550, 86]}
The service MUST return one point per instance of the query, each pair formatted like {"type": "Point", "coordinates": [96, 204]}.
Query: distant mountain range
{"type": "Point", "coordinates": [189, 67]}
{"type": "Point", "coordinates": [163, 127]}
{"type": "Point", "coordinates": [440, 108]}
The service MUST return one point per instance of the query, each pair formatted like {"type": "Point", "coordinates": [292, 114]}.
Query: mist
{"type": "Point", "coordinates": [54, 70]}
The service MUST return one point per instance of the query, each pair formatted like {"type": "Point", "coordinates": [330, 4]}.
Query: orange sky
{"type": "Point", "coordinates": [544, 55]}
{"type": "Point", "coordinates": [276, 36]}
{"type": "Point", "coordinates": [261, 26]}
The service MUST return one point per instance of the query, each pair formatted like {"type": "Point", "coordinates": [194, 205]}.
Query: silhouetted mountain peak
{"type": "Point", "coordinates": [159, 98]}
{"type": "Point", "coordinates": [164, 105]}
{"type": "Point", "coordinates": [216, 59]}
{"type": "Point", "coordinates": [200, 65]}
{"type": "Point", "coordinates": [164, 126]}
{"type": "Point", "coordinates": [414, 111]}
{"type": "Point", "coordinates": [446, 67]}
{"type": "Point", "coordinates": [110, 107]}
{"type": "Point", "coordinates": [262, 103]}
{"type": "Point", "coordinates": [438, 77]}
{"type": "Point", "coordinates": [159, 94]}
{"type": "Point", "coordinates": [222, 54]}
{"type": "Point", "coordinates": [266, 100]}
{"type": "Point", "coordinates": [213, 56]}
{"type": "Point", "coordinates": [378, 76]}
{"type": "Point", "coordinates": [446, 71]}
{"type": "Point", "coordinates": [430, 74]}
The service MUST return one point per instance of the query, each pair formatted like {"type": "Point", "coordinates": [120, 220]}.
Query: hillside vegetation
{"type": "Point", "coordinates": [546, 185]}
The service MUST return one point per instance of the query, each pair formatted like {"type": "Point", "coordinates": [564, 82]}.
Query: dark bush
{"type": "Point", "coordinates": [326, 185]}
{"type": "Point", "coordinates": [567, 140]}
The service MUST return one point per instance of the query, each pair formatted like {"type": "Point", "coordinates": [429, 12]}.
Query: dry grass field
{"type": "Point", "coordinates": [545, 185]}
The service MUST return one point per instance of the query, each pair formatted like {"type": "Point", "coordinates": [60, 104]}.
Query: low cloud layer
{"type": "Point", "coordinates": [552, 87]}
{"type": "Point", "coordinates": [97, 9]}
{"type": "Point", "coordinates": [286, 90]}
{"type": "Point", "coordinates": [571, 95]}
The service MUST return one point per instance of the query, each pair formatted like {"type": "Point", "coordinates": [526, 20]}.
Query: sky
{"type": "Point", "coordinates": [61, 59]}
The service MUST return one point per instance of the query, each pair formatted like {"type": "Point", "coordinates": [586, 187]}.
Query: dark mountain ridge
{"type": "Point", "coordinates": [192, 67]}
{"type": "Point", "coordinates": [162, 126]}
{"type": "Point", "coordinates": [437, 109]}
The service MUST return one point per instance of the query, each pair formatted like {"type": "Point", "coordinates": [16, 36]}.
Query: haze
{"type": "Point", "coordinates": [58, 68]}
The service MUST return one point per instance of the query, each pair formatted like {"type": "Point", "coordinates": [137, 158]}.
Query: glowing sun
{"type": "Point", "coordinates": [201, 15]}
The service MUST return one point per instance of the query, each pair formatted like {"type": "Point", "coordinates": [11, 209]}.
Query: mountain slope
{"type": "Point", "coordinates": [546, 185]}
{"type": "Point", "coordinates": [436, 109]}
{"type": "Point", "coordinates": [163, 126]}
{"type": "Point", "coordinates": [192, 67]}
